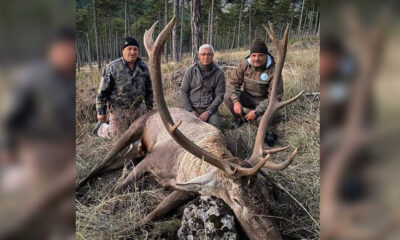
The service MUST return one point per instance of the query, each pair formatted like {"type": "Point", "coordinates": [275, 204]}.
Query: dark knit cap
{"type": "Point", "coordinates": [258, 46]}
{"type": "Point", "coordinates": [129, 41]}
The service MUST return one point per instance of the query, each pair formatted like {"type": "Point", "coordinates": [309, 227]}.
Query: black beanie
{"type": "Point", "coordinates": [258, 46]}
{"type": "Point", "coordinates": [130, 42]}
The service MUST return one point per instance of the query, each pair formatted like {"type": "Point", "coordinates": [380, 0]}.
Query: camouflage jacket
{"type": "Point", "coordinates": [123, 88]}
{"type": "Point", "coordinates": [255, 82]}
{"type": "Point", "coordinates": [198, 91]}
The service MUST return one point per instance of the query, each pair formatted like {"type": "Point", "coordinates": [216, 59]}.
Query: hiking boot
{"type": "Point", "coordinates": [270, 138]}
{"type": "Point", "coordinates": [236, 123]}
{"type": "Point", "coordinates": [96, 128]}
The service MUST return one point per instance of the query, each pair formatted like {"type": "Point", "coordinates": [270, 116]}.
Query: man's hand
{"type": "Point", "coordinates": [101, 118]}
{"type": "Point", "coordinates": [251, 116]}
{"type": "Point", "coordinates": [195, 113]}
{"type": "Point", "coordinates": [204, 116]}
{"type": "Point", "coordinates": [237, 108]}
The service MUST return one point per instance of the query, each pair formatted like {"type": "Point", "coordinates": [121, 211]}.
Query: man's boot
{"type": "Point", "coordinates": [270, 138]}
{"type": "Point", "coordinates": [96, 129]}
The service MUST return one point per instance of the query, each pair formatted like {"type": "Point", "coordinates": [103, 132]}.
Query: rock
{"type": "Point", "coordinates": [208, 218]}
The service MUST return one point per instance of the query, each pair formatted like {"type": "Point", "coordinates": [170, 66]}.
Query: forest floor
{"type": "Point", "coordinates": [99, 212]}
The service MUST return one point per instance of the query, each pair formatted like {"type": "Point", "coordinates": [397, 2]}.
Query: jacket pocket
{"type": "Point", "coordinates": [256, 88]}
{"type": "Point", "coordinates": [206, 100]}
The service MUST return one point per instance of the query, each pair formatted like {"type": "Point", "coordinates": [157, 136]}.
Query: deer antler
{"type": "Point", "coordinates": [273, 104]}
{"type": "Point", "coordinates": [154, 52]}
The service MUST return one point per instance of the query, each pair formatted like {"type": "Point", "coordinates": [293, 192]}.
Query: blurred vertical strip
{"type": "Point", "coordinates": [37, 119]}
{"type": "Point", "coordinates": [360, 119]}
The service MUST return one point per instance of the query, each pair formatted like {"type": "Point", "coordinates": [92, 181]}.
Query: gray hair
{"type": "Point", "coordinates": [206, 46]}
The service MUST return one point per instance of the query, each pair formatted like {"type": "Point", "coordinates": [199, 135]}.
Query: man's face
{"type": "Point", "coordinates": [206, 56]}
{"type": "Point", "coordinates": [130, 54]}
{"type": "Point", "coordinates": [258, 59]}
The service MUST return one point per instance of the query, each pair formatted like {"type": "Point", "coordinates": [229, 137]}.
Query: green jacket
{"type": "Point", "coordinates": [123, 88]}
{"type": "Point", "coordinates": [198, 91]}
{"type": "Point", "coordinates": [255, 82]}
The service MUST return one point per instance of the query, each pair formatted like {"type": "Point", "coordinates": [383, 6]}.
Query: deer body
{"type": "Point", "coordinates": [172, 161]}
{"type": "Point", "coordinates": [172, 166]}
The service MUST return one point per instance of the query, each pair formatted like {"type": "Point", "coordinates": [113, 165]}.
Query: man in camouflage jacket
{"type": "Point", "coordinates": [251, 85]}
{"type": "Point", "coordinates": [125, 84]}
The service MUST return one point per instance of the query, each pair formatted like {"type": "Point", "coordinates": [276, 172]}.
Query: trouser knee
{"type": "Point", "coordinates": [215, 120]}
{"type": "Point", "coordinates": [228, 101]}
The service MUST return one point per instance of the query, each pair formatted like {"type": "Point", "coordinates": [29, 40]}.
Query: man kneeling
{"type": "Point", "coordinates": [203, 87]}
{"type": "Point", "coordinates": [254, 75]}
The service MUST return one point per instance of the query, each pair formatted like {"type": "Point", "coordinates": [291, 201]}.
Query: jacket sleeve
{"type": "Point", "coordinates": [262, 107]}
{"type": "Point", "coordinates": [236, 83]}
{"type": "Point", "coordinates": [185, 91]}
{"type": "Point", "coordinates": [219, 94]}
{"type": "Point", "coordinates": [104, 91]}
{"type": "Point", "coordinates": [148, 95]}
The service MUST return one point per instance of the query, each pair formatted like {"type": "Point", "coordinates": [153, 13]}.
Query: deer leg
{"type": "Point", "coordinates": [136, 174]}
{"type": "Point", "coordinates": [174, 200]}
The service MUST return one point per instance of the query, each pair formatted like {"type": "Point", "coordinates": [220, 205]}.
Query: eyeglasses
{"type": "Point", "coordinates": [206, 54]}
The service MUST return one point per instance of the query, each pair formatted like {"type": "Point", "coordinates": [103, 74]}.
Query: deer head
{"type": "Point", "coordinates": [235, 181]}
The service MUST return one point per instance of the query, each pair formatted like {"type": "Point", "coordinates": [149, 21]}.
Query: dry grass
{"type": "Point", "coordinates": [98, 212]}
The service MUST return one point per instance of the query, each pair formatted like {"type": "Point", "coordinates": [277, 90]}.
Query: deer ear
{"type": "Point", "coordinates": [201, 183]}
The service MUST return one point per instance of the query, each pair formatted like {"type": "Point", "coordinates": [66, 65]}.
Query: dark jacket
{"type": "Point", "coordinates": [255, 82]}
{"type": "Point", "coordinates": [200, 91]}
{"type": "Point", "coordinates": [124, 88]}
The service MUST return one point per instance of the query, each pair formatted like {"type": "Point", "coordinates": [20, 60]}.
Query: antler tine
{"type": "Point", "coordinates": [273, 104]}
{"type": "Point", "coordinates": [154, 52]}
{"type": "Point", "coordinates": [275, 150]}
{"type": "Point", "coordinates": [289, 101]}
{"type": "Point", "coordinates": [148, 38]}
{"type": "Point", "coordinates": [283, 165]}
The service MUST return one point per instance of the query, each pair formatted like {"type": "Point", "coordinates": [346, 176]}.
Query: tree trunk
{"type": "Point", "coordinates": [105, 50]}
{"type": "Point", "coordinates": [116, 44]}
{"type": "Point", "coordinates": [291, 20]}
{"type": "Point", "coordinates": [126, 18]}
{"type": "Point", "coordinates": [175, 34]}
{"type": "Point", "coordinates": [305, 23]}
{"type": "Point", "coordinates": [208, 26]}
{"type": "Point", "coordinates": [233, 37]}
{"type": "Point", "coordinates": [181, 37]}
{"type": "Point", "coordinates": [196, 28]}
{"type": "Point", "coordinates": [301, 16]}
{"type": "Point", "coordinates": [249, 22]}
{"type": "Point", "coordinates": [316, 21]}
{"type": "Point", "coordinates": [88, 51]}
{"type": "Point", "coordinates": [211, 26]}
{"type": "Point", "coordinates": [109, 46]}
{"type": "Point", "coordinates": [226, 47]}
{"type": "Point", "coordinates": [310, 22]}
{"type": "Point", "coordinates": [240, 22]}
{"type": "Point", "coordinates": [96, 36]}
{"type": "Point", "coordinates": [215, 36]}
{"type": "Point", "coordinates": [78, 55]}
{"type": "Point", "coordinates": [129, 24]}
{"type": "Point", "coordinates": [165, 24]}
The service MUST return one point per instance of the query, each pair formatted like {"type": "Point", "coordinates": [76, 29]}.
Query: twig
{"type": "Point", "coordinates": [297, 201]}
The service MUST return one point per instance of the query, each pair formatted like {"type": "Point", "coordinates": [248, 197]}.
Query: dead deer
{"type": "Point", "coordinates": [201, 163]}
